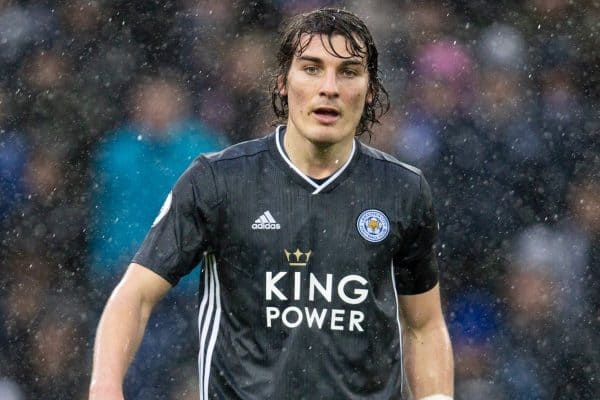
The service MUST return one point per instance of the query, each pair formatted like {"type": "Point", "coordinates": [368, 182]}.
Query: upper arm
{"type": "Point", "coordinates": [421, 311]}
{"type": "Point", "coordinates": [415, 263]}
{"type": "Point", "coordinates": [184, 228]}
{"type": "Point", "coordinates": [145, 283]}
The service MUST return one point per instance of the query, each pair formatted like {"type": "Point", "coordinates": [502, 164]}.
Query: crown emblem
{"type": "Point", "coordinates": [297, 258]}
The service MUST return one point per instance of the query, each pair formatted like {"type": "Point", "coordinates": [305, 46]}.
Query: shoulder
{"type": "Point", "coordinates": [237, 157]}
{"type": "Point", "coordinates": [211, 172]}
{"type": "Point", "coordinates": [407, 182]}
{"type": "Point", "coordinates": [240, 151]}
{"type": "Point", "coordinates": [389, 162]}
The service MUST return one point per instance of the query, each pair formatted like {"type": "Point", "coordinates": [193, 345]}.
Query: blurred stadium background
{"type": "Point", "coordinates": [104, 103]}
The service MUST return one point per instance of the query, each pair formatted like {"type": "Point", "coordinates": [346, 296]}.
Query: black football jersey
{"type": "Point", "coordinates": [299, 279]}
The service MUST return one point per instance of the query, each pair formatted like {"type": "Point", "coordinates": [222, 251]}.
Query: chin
{"type": "Point", "coordinates": [325, 138]}
{"type": "Point", "coordinates": [327, 134]}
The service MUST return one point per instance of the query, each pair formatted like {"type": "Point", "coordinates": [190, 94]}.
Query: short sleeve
{"type": "Point", "coordinates": [415, 265]}
{"type": "Point", "coordinates": [180, 233]}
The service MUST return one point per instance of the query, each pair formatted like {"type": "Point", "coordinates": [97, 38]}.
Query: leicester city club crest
{"type": "Point", "coordinates": [373, 225]}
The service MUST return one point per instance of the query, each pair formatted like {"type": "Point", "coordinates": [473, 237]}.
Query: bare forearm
{"type": "Point", "coordinates": [429, 362]}
{"type": "Point", "coordinates": [119, 334]}
{"type": "Point", "coordinates": [121, 329]}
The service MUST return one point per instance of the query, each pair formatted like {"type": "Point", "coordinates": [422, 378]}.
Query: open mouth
{"type": "Point", "coordinates": [326, 114]}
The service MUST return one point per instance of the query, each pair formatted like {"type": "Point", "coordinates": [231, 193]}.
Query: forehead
{"type": "Point", "coordinates": [334, 45]}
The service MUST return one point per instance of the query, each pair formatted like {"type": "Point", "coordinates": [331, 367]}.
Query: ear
{"type": "Point", "coordinates": [370, 96]}
{"type": "Point", "coordinates": [281, 86]}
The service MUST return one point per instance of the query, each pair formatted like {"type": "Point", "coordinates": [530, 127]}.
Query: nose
{"type": "Point", "coordinates": [329, 86]}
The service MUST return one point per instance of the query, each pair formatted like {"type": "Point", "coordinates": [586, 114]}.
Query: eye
{"type": "Point", "coordinates": [311, 69]}
{"type": "Point", "coordinates": [349, 73]}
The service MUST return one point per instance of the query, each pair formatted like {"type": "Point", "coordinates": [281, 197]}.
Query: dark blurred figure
{"type": "Point", "coordinates": [13, 156]}
{"type": "Point", "coordinates": [244, 77]}
{"type": "Point", "coordinates": [48, 106]}
{"type": "Point", "coordinates": [48, 221]}
{"type": "Point", "coordinates": [40, 259]}
{"type": "Point", "coordinates": [474, 327]}
{"type": "Point", "coordinates": [45, 329]}
{"type": "Point", "coordinates": [40, 240]}
{"type": "Point", "coordinates": [547, 343]}
{"type": "Point", "coordinates": [55, 349]}
{"type": "Point", "coordinates": [505, 112]}
{"type": "Point", "coordinates": [469, 172]}
{"type": "Point", "coordinates": [48, 111]}
{"type": "Point", "coordinates": [582, 224]}
{"type": "Point", "coordinates": [104, 60]}
{"type": "Point", "coordinates": [23, 27]}
{"type": "Point", "coordinates": [228, 77]}
{"type": "Point", "coordinates": [198, 24]}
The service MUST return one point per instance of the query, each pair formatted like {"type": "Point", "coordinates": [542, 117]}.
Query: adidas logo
{"type": "Point", "coordinates": [265, 221]}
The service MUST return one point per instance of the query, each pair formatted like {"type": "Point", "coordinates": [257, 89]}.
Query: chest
{"type": "Point", "coordinates": [347, 230]}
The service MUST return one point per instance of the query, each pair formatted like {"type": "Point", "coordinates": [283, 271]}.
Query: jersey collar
{"type": "Point", "coordinates": [329, 183]}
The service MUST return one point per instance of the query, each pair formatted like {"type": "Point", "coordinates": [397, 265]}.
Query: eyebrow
{"type": "Point", "coordinates": [351, 61]}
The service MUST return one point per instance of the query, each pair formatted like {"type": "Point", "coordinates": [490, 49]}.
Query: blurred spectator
{"type": "Point", "coordinates": [229, 75]}
{"type": "Point", "coordinates": [44, 328]}
{"type": "Point", "coordinates": [46, 221]}
{"type": "Point", "coordinates": [23, 27]}
{"type": "Point", "coordinates": [134, 169]}
{"type": "Point", "coordinates": [133, 172]}
{"type": "Point", "coordinates": [474, 325]}
{"type": "Point", "coordinates": [426, 22]}
{"type": "Point", "coordinates": [48, 107]}
{"type": "Point", "coordinates": [439, 92]}
{"type": "Point", "coordinates": [9, 390]}
{"type": "Point", "coordinates": [502, 46]}
{"type": "Point", "coordinates": [55, 349]}
{"type": "Point", "coordinates": [201, 23]}
{"type": "Point", "coordinates": [13, 156]}
{"type": "Point", "coordinates": [469, 172]}
{"type": "Point", "coordinates": [582, 224]}
{"type": "Point", "coordinates": [244, 77]}
{"type": "Point", "coordinates": [81, 18]}
{"type": "Point", "coordinates": [546, 329]}
{"type": "Point", "coordinates": [519, 155]}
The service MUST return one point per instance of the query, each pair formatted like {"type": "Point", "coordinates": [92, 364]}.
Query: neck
{"type": "Point", "coordinates": [317, 160]}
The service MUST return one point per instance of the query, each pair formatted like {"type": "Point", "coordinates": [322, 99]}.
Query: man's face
{"type": "Point", "coordinates": [326, 94]}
